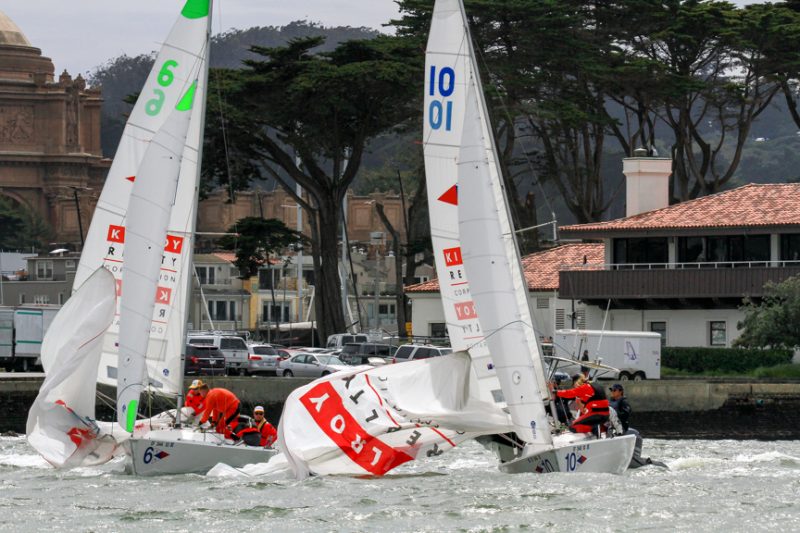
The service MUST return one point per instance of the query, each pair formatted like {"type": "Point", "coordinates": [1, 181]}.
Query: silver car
{"type": "Point", "coordinates": [262, 359]}
{"type": "Point", "coordinates": [310, 365]}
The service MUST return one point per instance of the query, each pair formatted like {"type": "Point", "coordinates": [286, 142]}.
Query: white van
{"type": "Point", "coordinates": [636, 354]}
{"type": "Point", "coordinates": [234, 349]}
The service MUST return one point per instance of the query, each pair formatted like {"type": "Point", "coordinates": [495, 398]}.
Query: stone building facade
{"type": "Point", "coordinates": [50, 158]}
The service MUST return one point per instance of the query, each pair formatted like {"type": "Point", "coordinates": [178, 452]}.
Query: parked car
{"type": "Point", "coordinates": [363, 359]}
{"type": "Point", "coordinates": [353, 352]}
{"type": "Point", "coordinates": [412, 352]}
{"type": "Point", "coordinates": [338, 340]}
{"type": "Point", "coordinates": [233, 347]}
{"type": "Point", "coordinates": [262, 359]}
{"type": "Point", "coordinates": [310, 365]}
{"type": "Point", "coordinates": [204, 360]}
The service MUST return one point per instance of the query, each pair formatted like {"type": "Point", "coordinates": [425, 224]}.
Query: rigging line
{"type": "Point", "coordinates": [502, 328]}
{"type": "Point", "coordinates": [511, 124]}
{"type": "Point", "coordinates": [220, 101]}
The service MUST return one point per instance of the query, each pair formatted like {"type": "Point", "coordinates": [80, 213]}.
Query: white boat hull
{"type": "Point", "coordinates": [575, 453]}
{"type": "Point", "coordinates": [185, 451]}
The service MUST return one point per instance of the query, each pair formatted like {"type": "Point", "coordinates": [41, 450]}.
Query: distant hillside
{"type": "Point", "coordinates": [125, 75]}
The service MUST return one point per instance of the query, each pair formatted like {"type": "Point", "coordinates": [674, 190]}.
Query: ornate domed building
{"type": "Point", "coordinates": [51, 163]}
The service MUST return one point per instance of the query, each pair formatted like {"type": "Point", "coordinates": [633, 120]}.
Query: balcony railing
{"type": "Point", "coordinates": [728, 279]}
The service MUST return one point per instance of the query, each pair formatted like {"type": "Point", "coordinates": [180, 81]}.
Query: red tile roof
{"type": "Point", "coordinates": [541, 268]}
{"type": "Point", "coordinates": [747, 206]}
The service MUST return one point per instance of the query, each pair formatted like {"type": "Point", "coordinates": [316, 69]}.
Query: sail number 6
{"type": "Point", "coordinates": [164, 78]}
{"type": "Point", "coordinates": [148, 455]}
{"type": "Point", "coordinates": [441, 84]}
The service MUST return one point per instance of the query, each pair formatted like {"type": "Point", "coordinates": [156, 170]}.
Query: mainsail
{"type": "Point", "coordinates": [183, 58]}
{"type": "Point", "coordinates": [151, 203]}
{"type": "Point", "coordinates": [448, 70]}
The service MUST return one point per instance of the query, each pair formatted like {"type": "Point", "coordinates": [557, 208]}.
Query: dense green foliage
{"type": "Point", "coordinates": [21, 228]}
{"type": "Point", "coordinates": [256, 239]}
{"type": "Point", "coordinates": [700, 360]}
{"type": "Point", "coordinates": [774, 321]}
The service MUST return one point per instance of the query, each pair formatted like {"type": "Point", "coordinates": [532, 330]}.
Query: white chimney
{"type": "Point", "coordinates": [646, 182]}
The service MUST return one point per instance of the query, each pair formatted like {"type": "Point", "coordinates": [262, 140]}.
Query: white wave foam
{"type": "Point", "coordinates": [766, 457]}
{"type": "Point", "coordinates": [24, 461]}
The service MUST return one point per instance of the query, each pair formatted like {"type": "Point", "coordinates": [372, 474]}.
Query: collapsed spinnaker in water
{"type": "Point", "coordinates": [370, 420]}
{"type": "Point", "coordinates": [60, 422]}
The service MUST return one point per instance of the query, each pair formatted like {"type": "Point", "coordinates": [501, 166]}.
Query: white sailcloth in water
{"type": "Point", "coordinates": [448, 70]}
{"type": "Point", "coordinates": [182, 59]}
{"type": "Point", "coordinates": [370, 420]}
{"type": "Point", "coordinates": [151, 203]}
{"type": "Point", "coordinates": [60, 421]}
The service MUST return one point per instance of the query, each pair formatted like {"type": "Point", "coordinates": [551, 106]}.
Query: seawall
{"type": "Point", "coordinates": [671, 408]}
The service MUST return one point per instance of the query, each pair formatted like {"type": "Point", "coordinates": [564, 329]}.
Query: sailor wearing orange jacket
{"type": "Point", "coordinates": [223, 408]}
{"type": "Point", "coordinates": [265, 429]}
{"type": "Point", "coordinates": [194, 398]}
{"type": "Point", "coordinates": [591, 401]}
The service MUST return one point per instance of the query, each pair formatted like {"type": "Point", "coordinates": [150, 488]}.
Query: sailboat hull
{"type": "Point", "coordinates": [575, 453]}
{"type": "Point", "coordinates": [186, 451]}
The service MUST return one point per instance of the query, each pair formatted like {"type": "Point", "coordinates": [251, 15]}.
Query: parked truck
{"type": "Point", "coordinates": [636, 354]}
{"type": "Point", "coordinates": [22, 330]}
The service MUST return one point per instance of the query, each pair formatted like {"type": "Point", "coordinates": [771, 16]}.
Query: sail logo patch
{"type": "Point", "coordinates": [327, 410]}
{"type": "Point", "coordinates": [116, 234]}
{"type": "Point", "coordinates": [450, 196]}
{"type": "Point", "coordinates": [452, 256]}
{"type": "Point", "coordinates": [163, 295]}
{"type": "Point", "coordinates": [174, 244]}
{"type": "Point", "coordinates": [466, 310]}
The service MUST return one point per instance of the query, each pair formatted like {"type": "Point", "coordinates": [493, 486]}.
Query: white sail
{"type": "Point", "coordinates": [448, 70]}
{"type": "Point", "coordinates": [370, 420]}
{"type": "Point", "coordinates": [60, 421]}
{"type": "Point", "coordinates": [152, 199]}
{"type": "Point", "coordinates": [182, 59]}
{"type": "Point", "coordinates": [492, 262]}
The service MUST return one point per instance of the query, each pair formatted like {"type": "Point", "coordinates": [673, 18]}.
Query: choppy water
{"type": "Point", "coordinates": [711, 486]}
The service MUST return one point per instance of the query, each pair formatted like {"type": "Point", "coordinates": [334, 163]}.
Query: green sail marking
{"type": "Point", "coordinates": [185, 103]}
{"type": "Point", "coordinates": [195, 9]}
{"type": "Point", "coordinates": [130, 421]}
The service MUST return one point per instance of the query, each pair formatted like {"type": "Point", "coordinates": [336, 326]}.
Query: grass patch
{"type": "Point", "coordinates": [786, 371]}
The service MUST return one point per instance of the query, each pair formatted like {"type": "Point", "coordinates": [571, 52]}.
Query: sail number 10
{"type": "Point", "coordinates": [440, 110]}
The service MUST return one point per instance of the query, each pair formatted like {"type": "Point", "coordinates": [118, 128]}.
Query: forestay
{"type": "Point", "coordinates": [370, 420]}
{"type": "Point", "coordinates": [182, 59]}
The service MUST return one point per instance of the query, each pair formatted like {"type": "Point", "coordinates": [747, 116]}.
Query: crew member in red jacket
{"type": "Point", "coordinates": [223, 408]}
{"type": "Point", "coordinates": [592, 404]}
{"type": "Point", "coordinates": [267, 431]}
{"type": "Point", "coordinates": [194, 398]}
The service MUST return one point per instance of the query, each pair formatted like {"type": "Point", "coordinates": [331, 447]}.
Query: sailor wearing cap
{"type": "Point", "coordinates": [620, 404]}
{"type": "Point", "coordinates": [196, 395]}
{"type": "Point", "coordinates": [265, 429]}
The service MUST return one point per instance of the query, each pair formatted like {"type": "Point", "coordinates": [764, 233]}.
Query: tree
{"type": "Point", "coordinates": [256, 239]}
{"type": "Point", "coordinates": [772, 323]}
{"type": "Point", "coordinates": [20, 227]}
{"type": "Point", "coordinates": [320, 110]}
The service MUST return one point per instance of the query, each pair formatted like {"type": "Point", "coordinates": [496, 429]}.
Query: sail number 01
{"type": "Point", "coordinates": [164, 78]}
{"type": "Point", "coordinates": [442, 83]}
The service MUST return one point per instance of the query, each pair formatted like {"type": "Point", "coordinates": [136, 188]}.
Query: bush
{"type": "Point", "coordinates": [722, 359]}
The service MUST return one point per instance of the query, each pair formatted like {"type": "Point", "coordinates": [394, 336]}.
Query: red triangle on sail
{"type": "Point", "coordinates": [450, 196]}
{"type": "Point", "coordinates": [131, 178]}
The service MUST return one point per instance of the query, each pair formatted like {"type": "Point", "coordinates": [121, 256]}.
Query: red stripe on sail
{"type": "Point", "coordinates": [370, 453]}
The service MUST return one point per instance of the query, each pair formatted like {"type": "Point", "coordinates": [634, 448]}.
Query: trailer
{"type": "Point", "coordinates": [22, 330]}
{"type": "Point", "coordinates": [636, 354]}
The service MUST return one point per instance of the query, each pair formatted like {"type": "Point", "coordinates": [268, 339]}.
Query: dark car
{"type": "Point", "coordinates": [204, 360]}
{"type": "Point", "coordinates": [365, 348]}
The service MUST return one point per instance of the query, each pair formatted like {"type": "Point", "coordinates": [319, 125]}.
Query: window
{"type": "Point", "coordinates": [386, 309]}
{"type": "Point", "coordinates": [542, 303]}
{"type": "Point", "coordinates": [278, 312]}
{"type": "Point", "coordinates": [438, 330]}
{"type": "Point", "coordinates": [22, 298]}
{"type": "Point", "coordinates": [60, 298]}
{"type": "Point", "coordinates": [719, 335]}
{"type": "Point", "coordinates": [641, 250]}
{"type": "Point", "coordinates": [661, 329]}
{"type": "Point", "coordinates": [222, 310]}
{"type": "Point", "coordinates": [41, 299]}
{"type": "Point", "coordinates": [44, 270]}
{"type": "Point", "coordinates": [69, 265]}
{"type": "Point", "coordinates": [790, 247]}
{"type": "Point", "coordinates": [266, 279]}
{"type": "Point", "coordinates": [205, 274]}
{"type": "Point", "coordinates": [559, 319]}
{"type": "Point", "coordinates": [580, 318]}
